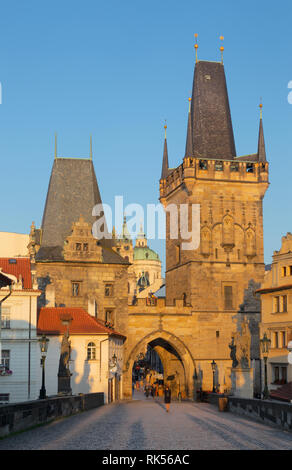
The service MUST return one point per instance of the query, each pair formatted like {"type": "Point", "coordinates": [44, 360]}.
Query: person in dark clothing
{"type": "Point", "coordinates": [167, 397]}
{"type": "Point", "coordinates": [152, 391]}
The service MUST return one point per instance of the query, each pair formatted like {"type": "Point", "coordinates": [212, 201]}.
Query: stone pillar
{"type": "Point", "coordinates": [127, 384]}
{"type": "Point", "coordinates": [242, 382]}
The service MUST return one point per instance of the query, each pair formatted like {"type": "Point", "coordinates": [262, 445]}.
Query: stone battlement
{"type": "Point", "coordinates": [237, 170]}
{"type": "Point", "coordinates": [158, 306]}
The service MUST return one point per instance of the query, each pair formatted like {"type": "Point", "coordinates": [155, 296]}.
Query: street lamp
{"type": "Point", "coordinates": [213, 365]}
{"type": "Point", "coordinates": [44, 343]}
{"type": "Point", "coordinates": [265, 346]}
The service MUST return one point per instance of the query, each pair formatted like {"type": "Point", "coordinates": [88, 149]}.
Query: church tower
{"type": "Point", "coordinates": [218, 277]}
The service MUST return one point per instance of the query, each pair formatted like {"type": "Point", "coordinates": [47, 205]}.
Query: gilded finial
{"type": "Point", "coordinates": [261, 108]}
{"type": "Point", "coordinates": [90, 154]}
{"type": "Point", "coordinates": [222, 49]}
{"type": "Point", "coordinates": [196, 46]}
{"type": "Point", "coordinates": [190, 100]}
{"type": "Point", "coordinates": [165, 127]}
{"type": "Point", "coordinates": [55, 145]}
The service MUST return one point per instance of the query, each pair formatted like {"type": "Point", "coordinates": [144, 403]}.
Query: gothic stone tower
{"type": "Point", "coordinates": [217, 279]}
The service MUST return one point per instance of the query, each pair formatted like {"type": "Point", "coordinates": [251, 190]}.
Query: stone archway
{"type": "Point", "coordinates": [176, 359]}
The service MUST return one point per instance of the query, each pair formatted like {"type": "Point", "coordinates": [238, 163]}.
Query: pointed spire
{"type": "Point", "coordinates": [189, 141]}
{"type": "Point", "coordinates": [164, 171]}
{"type": "Point", "coordinates": [261, 141]}
{"type": "Point", "coordinates": [125, 232]}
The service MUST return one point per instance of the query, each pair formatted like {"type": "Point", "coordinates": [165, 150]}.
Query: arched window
{"type": "Point", "coordinates": [91, 351]}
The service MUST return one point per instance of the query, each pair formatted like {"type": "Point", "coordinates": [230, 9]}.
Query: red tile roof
{"type": "Point", "coordinates": [50, 322]}
{"type": "Point", "coordinates": [283, 393]}
{"type": "Point", "coordinates": [16, 267]}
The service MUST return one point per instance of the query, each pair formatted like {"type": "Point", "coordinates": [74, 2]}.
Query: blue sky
{"type": "Point", "coordinates": [116, 70]}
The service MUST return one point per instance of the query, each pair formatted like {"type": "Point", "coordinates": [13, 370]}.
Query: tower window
{"type": "Point", "coordinates": [203, 165]}
{"type": "Point", "coordinates": [76, 288]}
{"type": "Point", "coordinates": [108, 290]}
{"type": "Point", "coordinates": [234, 167]}
{"type": "Point", "coordinates": [85, 246]}
{"type": "Point", "coordinates": [218, 166]}
{"type": "Point", "coordinates": [228, 298]}
{"type": "Point", "coordinates": [284, 271]}
{"type": "Point", "coordinates": [109, 317]}
{"type": "Point", "coordinates": [78, 246]}
{"type": "Point", "coordinates": [217, 334]}
{"type": "Point", "coordinates": [249, 168]}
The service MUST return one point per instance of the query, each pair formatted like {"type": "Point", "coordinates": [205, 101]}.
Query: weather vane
{"type": "Point", "coordinates": [165, 127]}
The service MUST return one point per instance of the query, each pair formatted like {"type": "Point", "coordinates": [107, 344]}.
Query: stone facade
{"type": "Point", "coordinates": [276, 320]}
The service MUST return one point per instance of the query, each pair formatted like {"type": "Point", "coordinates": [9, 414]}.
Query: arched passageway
{"type": "Point", "coordinates": [175, 364]}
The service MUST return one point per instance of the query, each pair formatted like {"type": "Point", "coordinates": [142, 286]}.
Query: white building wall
{"type": "Point", "coordinates": [88, 376]}
{"type": "Point", "coordinates": [22, 384]}
{"type": "Point", "coordinates": [13, 245]}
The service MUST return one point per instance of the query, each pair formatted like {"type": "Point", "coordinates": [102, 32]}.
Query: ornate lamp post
{"type": "Point", "coordinates": [213, 365]}
{"type": "Point", "coordinates": [44, 343]}
{"type": "Point", "coordinates": [265, 346]}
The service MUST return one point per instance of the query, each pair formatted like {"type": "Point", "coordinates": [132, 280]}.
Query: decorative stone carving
{"type": "Point", "coordinates": [81, 245]}
{"type": "Point", "coordinates": [242, 343]}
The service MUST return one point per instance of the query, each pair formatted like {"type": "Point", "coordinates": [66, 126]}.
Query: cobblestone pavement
{"type": "Point", "coordinates": [144, 424]}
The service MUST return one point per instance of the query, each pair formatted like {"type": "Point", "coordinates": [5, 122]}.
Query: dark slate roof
{"type": "Point", "coordinates": [73, 191]}
{"type": "Point", "coordinates": [211, 119]}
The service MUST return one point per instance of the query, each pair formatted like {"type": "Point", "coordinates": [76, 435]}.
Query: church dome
{"type": "Point", "coordinates": [145, 253]}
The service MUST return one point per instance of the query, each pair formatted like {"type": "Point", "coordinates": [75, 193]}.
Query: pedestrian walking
{"type": "Point", "coordinates": [152, 391]}
{"type": "Point", "coordinates": [167, 397]}
{"type": "Point", "coordinates": [156, 389]}
{"type": "Point", "coordinates": [147, 391]}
